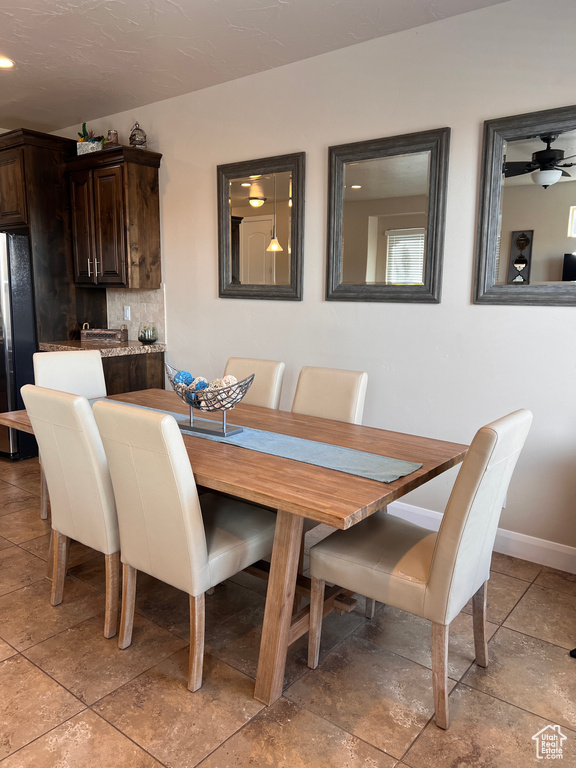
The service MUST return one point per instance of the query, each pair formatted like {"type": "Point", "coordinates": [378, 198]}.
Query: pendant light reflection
{"type": "Point", "coordinates": [274, 244]}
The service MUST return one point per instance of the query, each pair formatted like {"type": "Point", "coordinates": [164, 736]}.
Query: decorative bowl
{"type": "Point", "coordinates": [209, 399]}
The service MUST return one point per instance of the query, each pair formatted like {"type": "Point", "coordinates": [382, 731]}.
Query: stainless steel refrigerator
{"type": "Point", "coordinates": [17, 337]}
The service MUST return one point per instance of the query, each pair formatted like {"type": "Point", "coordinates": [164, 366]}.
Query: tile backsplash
{"type": "Point", "coordinates": [144, 306]}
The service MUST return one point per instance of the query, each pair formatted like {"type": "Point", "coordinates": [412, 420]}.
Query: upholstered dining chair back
{"type": "Point", "coordinates": [82, 499]}
{"type": "Point", "coordinates": [75, 466]}
{"type": "Point", "coordinates": [461, 560]}
{"type": "Point", "coordinates": [78, 372]}
{"type": "Point", "coordinates": [165, 529]}
{"type": "Point", "coordinates": [431, 575]}
{"type": "Point", "coordinates": [267, 385]}
{"type": "Point", "coordinates": [331, 393]}
{"type": "Point", "coordinates": [159, 513]}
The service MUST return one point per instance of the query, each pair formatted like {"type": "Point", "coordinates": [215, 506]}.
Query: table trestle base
{"type": "Point", "coordinates": [335, 599]}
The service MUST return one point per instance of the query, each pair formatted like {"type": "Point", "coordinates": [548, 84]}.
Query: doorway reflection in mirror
{"type": "Point", "coordinates": [252, 214]}
{"type": "Point", "coordinates": [251, 264]}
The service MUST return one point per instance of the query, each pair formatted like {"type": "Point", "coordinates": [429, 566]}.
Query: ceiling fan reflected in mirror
{"type": "Point", "coordinates": [546, 165]}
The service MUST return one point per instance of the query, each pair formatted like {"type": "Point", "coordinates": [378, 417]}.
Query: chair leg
{"type": "Point", "coordinates": [44, 497]}
{"type": "Point", "coordinates": [59, 562]}
{"type": "Point", "coordinates": [370, 608]}
{"type": "Point", "coordinates": [316, 615]}
{"type": "Point", "coordinates": [129, 575]}
{"type": "Point", "coordinates": [112, 587]}
{"type": "Point", "coordinates": [479, 622]}
{"type": "Point", "coordinates": [298, 598]}
{"type": "Point", "coordinates": [196, 662]}
{"type": "Point", "coordinates": [50, 561]}
{"type": "Point", "coordinates": [440, 634]}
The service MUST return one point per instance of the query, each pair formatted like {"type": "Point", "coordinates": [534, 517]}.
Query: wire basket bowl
{"type": "Point", "coordinates": [220, 399]}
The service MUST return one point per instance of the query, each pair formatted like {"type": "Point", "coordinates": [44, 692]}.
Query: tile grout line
{"type": "Point", "coordinates": [532, 637]}
{"type": "Point", "coordinates": [41, 735]}
{"type": "Point", "coordinates": [515, 706]}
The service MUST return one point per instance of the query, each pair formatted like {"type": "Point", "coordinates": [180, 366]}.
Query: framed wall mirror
{"type": "Point", "coordinates": [526, 248]}
{"type": "Point", "coordinates": [386, 215]}
{"type": "Point", "coordinates": [261, 228]}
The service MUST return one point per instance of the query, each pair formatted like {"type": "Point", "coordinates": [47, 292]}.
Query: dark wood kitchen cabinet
{"type": "Point", "coordinates": [13, 208]}
{"type": "Point", "coordinates": [34, 206]}
{"type": "Point", "coordinates": [116, 218]}
{"type": "Point", "coordinates": [131, 373]}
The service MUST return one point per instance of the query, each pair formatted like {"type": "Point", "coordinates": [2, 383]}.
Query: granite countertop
{"type": "Point", "coordinates": [106, 348]}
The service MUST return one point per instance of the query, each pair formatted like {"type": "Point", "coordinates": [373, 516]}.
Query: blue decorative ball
{"type": "Point", "coordinates": [183, 377]}
{"type": "Point", "coordinates": [200, 385]}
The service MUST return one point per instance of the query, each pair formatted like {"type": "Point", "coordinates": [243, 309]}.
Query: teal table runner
{"type": "Point", "coordinates": [353, 462]}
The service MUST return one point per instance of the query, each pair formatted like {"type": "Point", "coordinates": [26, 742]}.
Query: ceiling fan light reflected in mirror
{"type": "Point", "coordinates": [546, 178]}
{"type": "Point", "coordinates": [545, 167]}
{"type": "Point", "coordinates": [256, 202]}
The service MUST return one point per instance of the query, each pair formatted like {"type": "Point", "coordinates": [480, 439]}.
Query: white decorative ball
{"type": "Point", "coordinates": [227, 381]}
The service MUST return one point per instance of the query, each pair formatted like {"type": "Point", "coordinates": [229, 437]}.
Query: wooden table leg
{"type": "Point", "coordinates": [278, 611]}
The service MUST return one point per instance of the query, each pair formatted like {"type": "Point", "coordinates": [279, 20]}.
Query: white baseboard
{"type": "Point", "coordinates": [519, 545]}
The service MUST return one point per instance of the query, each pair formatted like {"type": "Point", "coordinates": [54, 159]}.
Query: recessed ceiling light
{"type": "Point", "coordinates": [6, 63]}
{"type": "Point", "coordinates": [246, 184]}
{"type": "Point", "coordinates": [356, 186]}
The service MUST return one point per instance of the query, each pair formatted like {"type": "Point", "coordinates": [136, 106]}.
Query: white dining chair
{"type": "Point", "coordinates": [166, 530]}
{"type": "Point", "coordinates": [331, 393]}
{"type": "Point", "coordinates": [431, 575]}
{"type": "Point", "coordinates": [81, 494]}
{"type": "Point", "coordinates": [78, 372]}
{"type": "Point", "coordinates": [267, 385]}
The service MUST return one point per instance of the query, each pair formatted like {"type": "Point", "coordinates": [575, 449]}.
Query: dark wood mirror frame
{"type": "Point", "coordinates": [436, 142]}
{"type": "Point", "coordinates": [296, 165]}
{"type": "Point", "coordinates": [496, 133]}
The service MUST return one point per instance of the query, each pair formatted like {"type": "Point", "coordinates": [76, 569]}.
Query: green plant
{"type": "Point", "coordinates": [86, 135]}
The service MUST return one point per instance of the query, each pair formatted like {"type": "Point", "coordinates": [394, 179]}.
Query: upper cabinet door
{"type": "Point", "coordinates": [13, 209]}
{"type": "Point", "coordinates": [117, 217]}
{"type": "Point", "coordinates": [82, 200]}
{"type": "Point", "coordinates": [110, 237]}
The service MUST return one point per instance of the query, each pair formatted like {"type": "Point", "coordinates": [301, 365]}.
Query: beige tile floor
{"type": "Point", "coordinates": [70, 699]}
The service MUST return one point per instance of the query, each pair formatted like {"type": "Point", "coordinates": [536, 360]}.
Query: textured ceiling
{"type": "Point", "coordinates": [81, 59]}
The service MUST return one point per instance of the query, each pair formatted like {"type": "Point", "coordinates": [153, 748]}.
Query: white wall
{"type": "Point", "coordinates": [438, 370]}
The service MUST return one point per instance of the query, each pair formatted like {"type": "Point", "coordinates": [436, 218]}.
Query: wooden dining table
{"type": "Point", "coordinates": [298, 491]}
